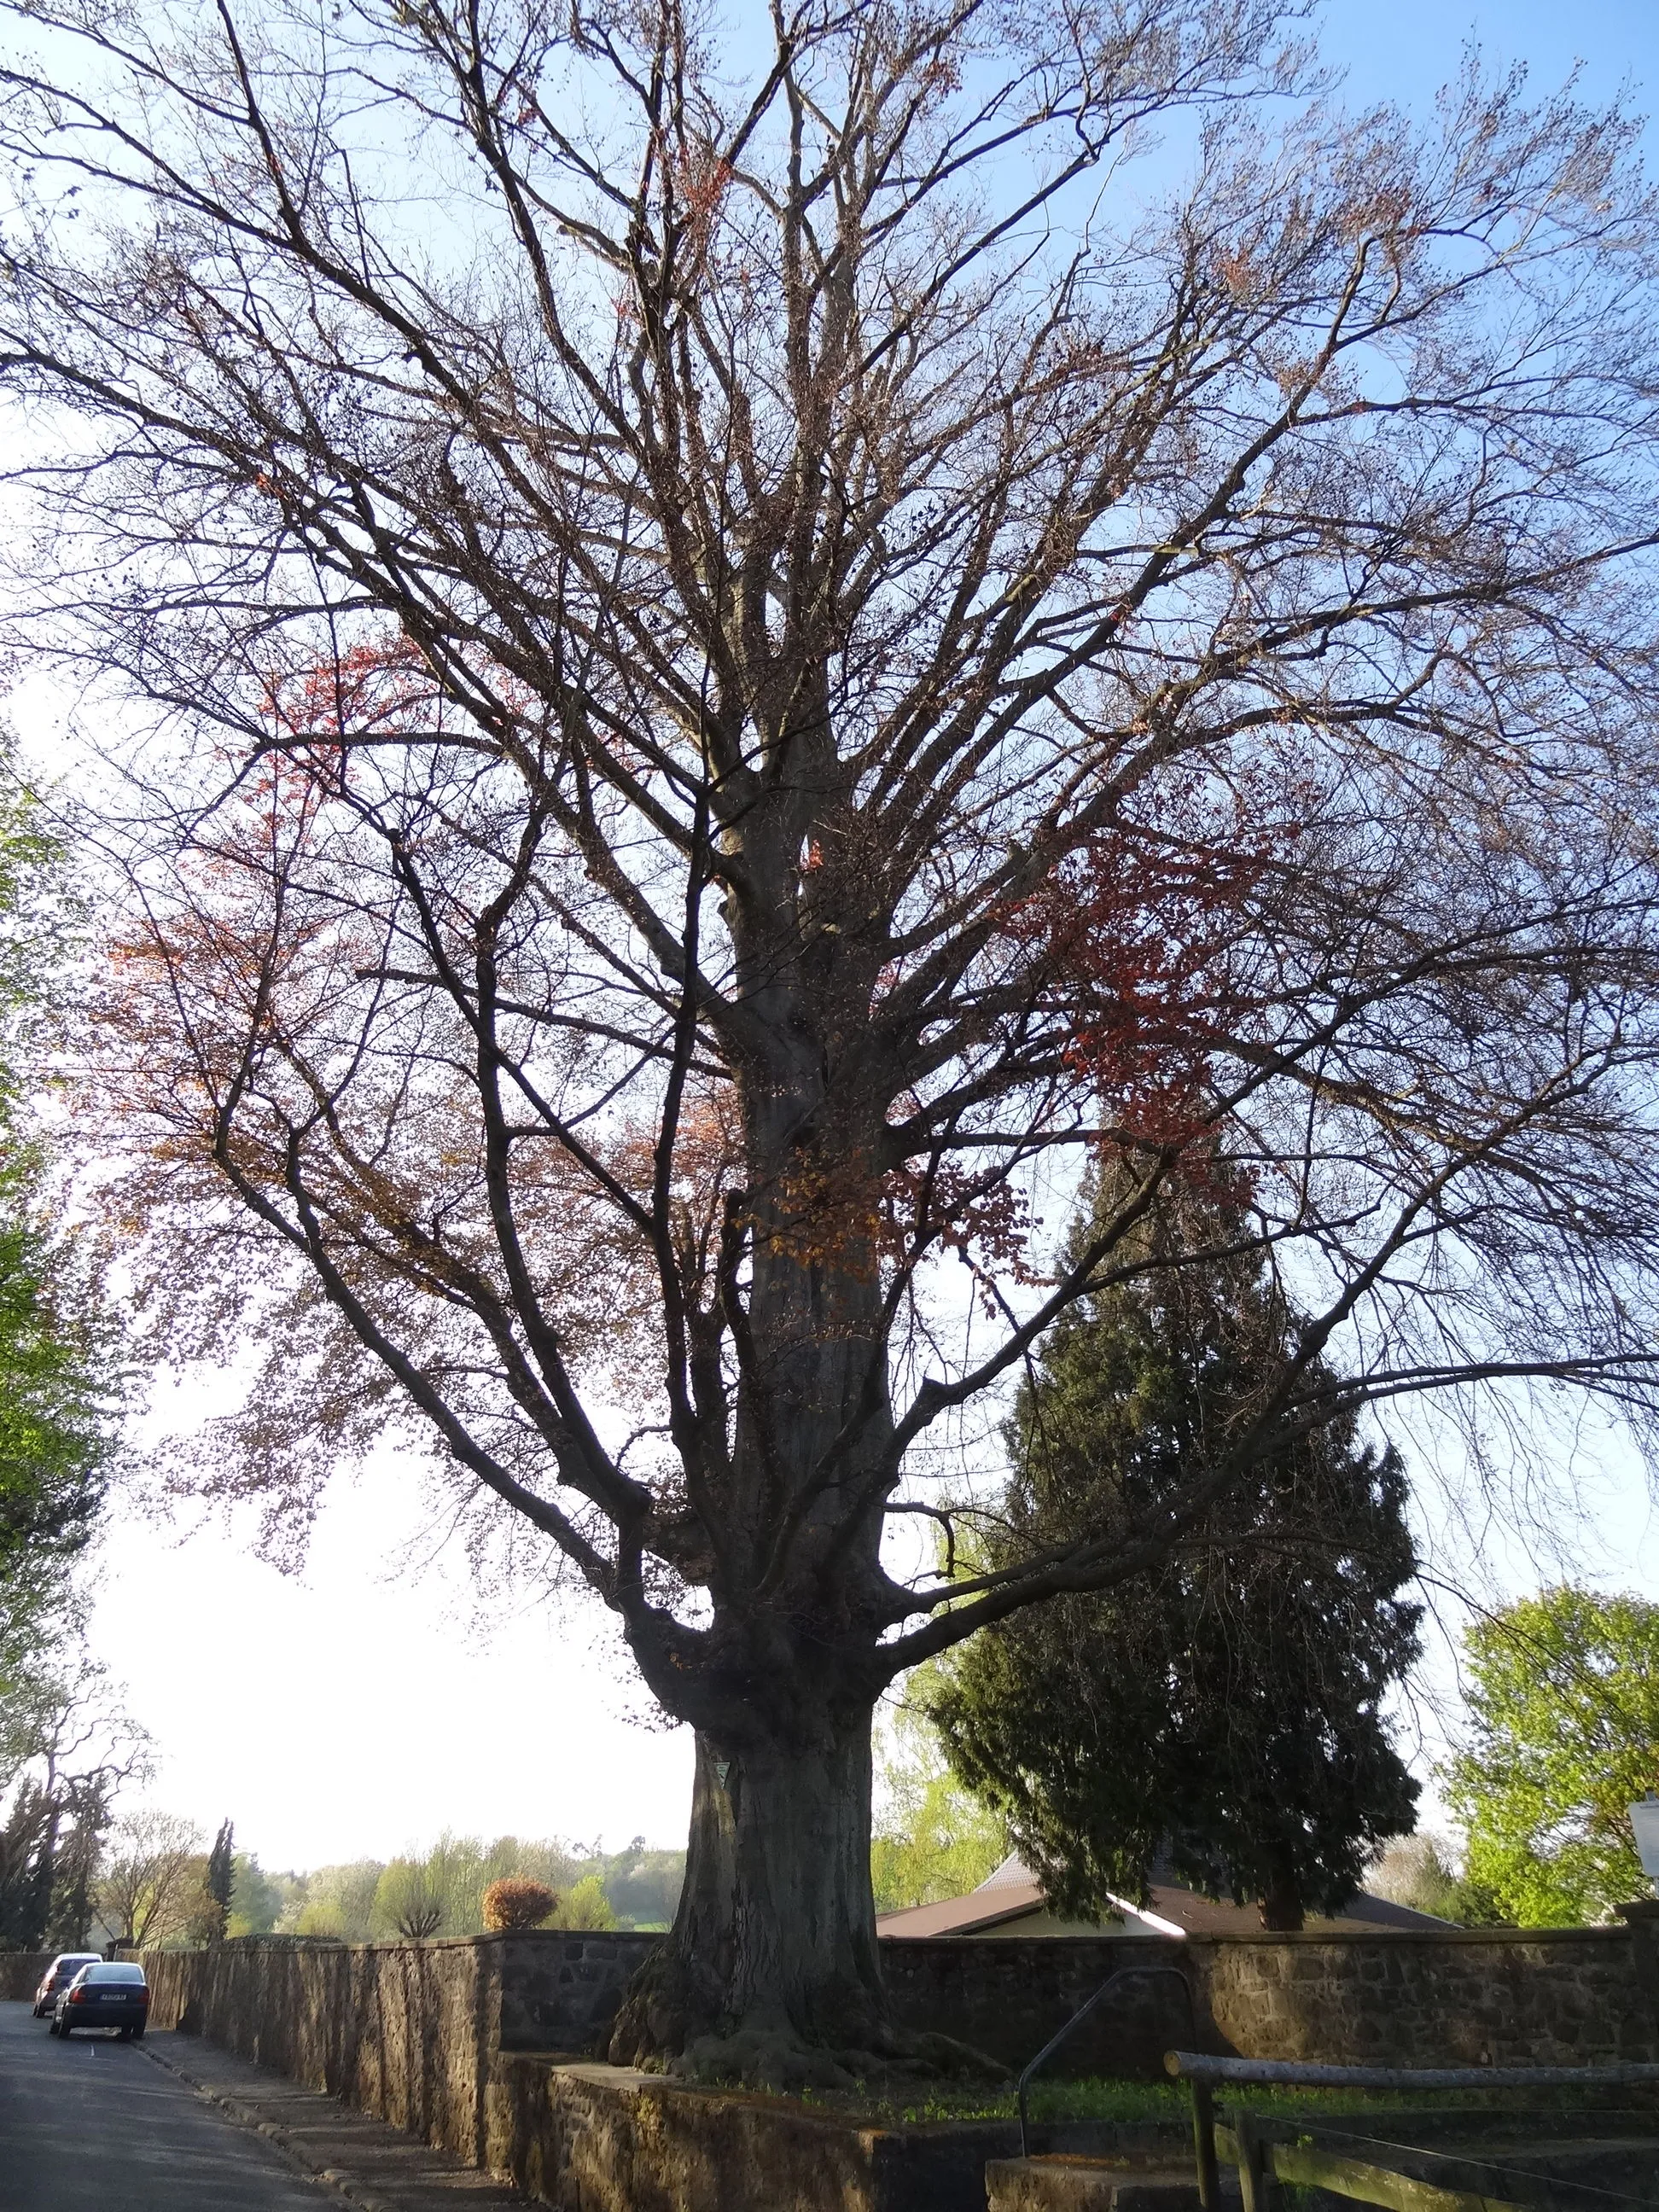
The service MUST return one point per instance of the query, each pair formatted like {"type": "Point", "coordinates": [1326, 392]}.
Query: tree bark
{"type": "Point", "coordinates": [773, 1945]}
{"type": "Point", "coordinates": [1280, 1903]}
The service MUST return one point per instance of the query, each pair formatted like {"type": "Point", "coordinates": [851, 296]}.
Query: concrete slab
{"type": "Point", "coordinates": [1087, 2184]}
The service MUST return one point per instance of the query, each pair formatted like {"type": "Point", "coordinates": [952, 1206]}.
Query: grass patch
{"type": "Point", "coordinates": [1103, 2099]}
{"type": "Point", "coordinates": [1107, 2100]}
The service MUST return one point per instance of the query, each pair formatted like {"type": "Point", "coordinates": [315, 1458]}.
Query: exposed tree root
{"type": "Point", "coordinates": [658, 2013]}
{"type": "Point", "coordinates": [780, 2061]}
{"type": "Point", "coordinates": [667, 2022]}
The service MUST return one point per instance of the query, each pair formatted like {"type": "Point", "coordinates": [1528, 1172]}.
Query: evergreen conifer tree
{"type": "Point", "coordinates": [1222, 1714]}
{"type": "Point", "coordinates": [222, 1878]}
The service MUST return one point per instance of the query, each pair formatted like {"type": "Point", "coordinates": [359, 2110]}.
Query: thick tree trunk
{"type": "Point", "coordinates": [1280, 1902]}
{"type": "Point", "coordinates": [771, 1972]}
{"type": "Point", "coordinates": [773, 1951]}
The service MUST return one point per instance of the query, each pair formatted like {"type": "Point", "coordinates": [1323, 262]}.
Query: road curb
{"type": "Point", "coordinates": [344, 2183]}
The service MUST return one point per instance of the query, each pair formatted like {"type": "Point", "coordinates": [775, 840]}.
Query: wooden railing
{"type": "Point", "coordinates": [1364, 2167]}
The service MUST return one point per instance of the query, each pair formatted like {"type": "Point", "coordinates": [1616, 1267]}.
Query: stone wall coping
{"type": "Point", "coordinates": [1617, 1931]}
{"type": "Point", "coordinates": [866, 2128]}
{"type": "Point", "coordinates": [596, 2075]}
{"type": "Point", "coordinates": [1249, 1938]}
{"type": "Point", "coordinates": [449, 1942]}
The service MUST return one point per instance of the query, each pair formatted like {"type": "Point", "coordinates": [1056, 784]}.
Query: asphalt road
{"type": "Point", "coordinates": [94, 2123]}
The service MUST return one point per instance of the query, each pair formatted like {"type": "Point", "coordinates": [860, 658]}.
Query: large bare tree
{"type": "Point", "coordinates": [738, 651]}
{"type": "Point", "coordinates": [152, 1883]}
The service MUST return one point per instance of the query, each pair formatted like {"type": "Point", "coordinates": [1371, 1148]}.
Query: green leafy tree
{"type": "Point", "coordinates": [152, 1887]}
{"type": "Point", "coordinates": [459, 1870]}
{"type": "Point", "coordinates": [63, 1748]}
{"type": "Point", "coordinates": [644, 1885]}
{"type": "Point", "coordinates": [54, 1401]}
{"type": "Point", "coordinates": [372, 1898]}
{"type": "Point", "coordinates": [1562, 1692]}
{"type": "Point", "coordinates": [57, 1372]}
{"type": "Point", "coordinates": [1225, 1707]}
{"type": "Point", "coordinates": [260, 1901]}
{"type": "Point", "coordinates": [25, 1867]}
{"type": "Point", "coordinates": [410, 1901]}
{"type": "Point", "coordinates": [934, 1838]}
{"type": "Point", "coordinates": [340, 1901]}
{"type": "Point", "coordinates": [1417, 1871]}
{"type": "Point", "coordinates": [584, 1905]}
{"type": "Point", "coordinates": [441, 1890]}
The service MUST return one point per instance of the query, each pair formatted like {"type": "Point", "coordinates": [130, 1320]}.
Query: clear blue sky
{"type": "Point", "coordinates": [1403, 50]}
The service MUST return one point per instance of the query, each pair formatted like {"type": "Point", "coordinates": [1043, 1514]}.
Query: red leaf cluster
{"type": "Point", "coordinates": [1137, 934]}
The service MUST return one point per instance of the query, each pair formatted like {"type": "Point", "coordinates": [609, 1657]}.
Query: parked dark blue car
{"type": "Point", "coordinates": [112, 1993]}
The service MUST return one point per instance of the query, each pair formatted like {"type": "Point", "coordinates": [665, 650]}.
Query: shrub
{"type": "Point", "coordinates": [586, 1905]}
{"type": "Point", "coordinates": [515, 1903]}
{"type": "Point", "coordinates": [410, 1900]}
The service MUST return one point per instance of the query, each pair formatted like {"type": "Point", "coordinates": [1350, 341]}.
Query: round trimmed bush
{"type": "Point", "coordinates": [516, 1903]}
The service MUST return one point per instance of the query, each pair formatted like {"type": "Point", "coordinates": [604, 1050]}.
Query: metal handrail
{"type": "Point", "coordinates": [1118, 1974]}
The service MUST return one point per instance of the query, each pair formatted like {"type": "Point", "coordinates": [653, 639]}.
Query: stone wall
{"type": "Point", "coordinates": [560, 1991]}
{"type": "Point", "coordinates": [406, 2030]}
{"type": "Point", "coordinates": [20, 1973]}
{"type": "Point", "coordinates": [1555, 1997]}
{"type": "Point", "coordinates": [1457, 1996]}
{"type": "Point", "coordinates": [590, 2138]}
{"type": "Point", "coordinates": [1007, 1997]}
{"type": "Point", "coordinates": [451, 2040]}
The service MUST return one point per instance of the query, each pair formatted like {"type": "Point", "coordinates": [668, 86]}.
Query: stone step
{"type": "Point", "coordinates": [1063, 2184]}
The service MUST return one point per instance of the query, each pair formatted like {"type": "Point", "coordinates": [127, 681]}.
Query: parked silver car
{"type": "Point", "coordinates": [58, 1976]}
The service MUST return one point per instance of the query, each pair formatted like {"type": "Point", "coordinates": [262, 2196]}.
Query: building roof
{"type": "Point", "coordinates": [1009, 1902]}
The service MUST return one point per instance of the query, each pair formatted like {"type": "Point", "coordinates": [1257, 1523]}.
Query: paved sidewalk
{"type": "Point", "coordinates": [368, 2162]}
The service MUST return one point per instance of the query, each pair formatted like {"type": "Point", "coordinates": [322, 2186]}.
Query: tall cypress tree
{"type": "Point", "coordinates": [1222, 1714]}
{"type": "Point", "coordinates": [222, 1878]}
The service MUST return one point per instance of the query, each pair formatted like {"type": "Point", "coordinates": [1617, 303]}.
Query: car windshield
{"type": "Point", "coordinates": [117, 1972]}
{"type": "Point", "coordinates": [72, 1966]}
